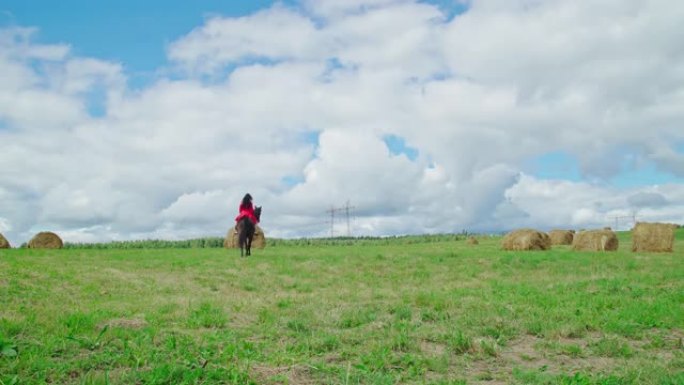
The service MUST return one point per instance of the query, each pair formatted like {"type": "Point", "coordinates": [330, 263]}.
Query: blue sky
{"type": "Point", "coordinates": [562, 166]}
{"type": "Point", "coordinates": [428, 116]}
{"type": "Point", "coordinates": [134, 33]}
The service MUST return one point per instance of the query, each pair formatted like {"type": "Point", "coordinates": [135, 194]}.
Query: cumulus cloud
{"type": "Point", "coordinates": [276, 33]}
{"type": "Point", "coordinates": [197, 207]}
{"type": "Point", "coordinates": [293, 103]}
{"type": "Point", "coordinates": [564, 204]}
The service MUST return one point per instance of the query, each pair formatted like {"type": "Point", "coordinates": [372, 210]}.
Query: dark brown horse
{"type": "Point", "coordinates": [245, 230]}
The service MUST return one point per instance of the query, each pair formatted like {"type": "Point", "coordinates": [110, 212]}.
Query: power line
{"type": "Point", "coordinates": [346, 209]}
{"type": "Point", "coordinates": [618, 218]}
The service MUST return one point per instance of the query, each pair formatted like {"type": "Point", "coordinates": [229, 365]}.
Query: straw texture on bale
{"type": "Point", "coordinates": [45, 240]}
{"type": "Point", "coordinates": [472, 241]}
{"type": "Point", "coordinates": [4, 244]}
{"type": "Point", "coordinates": [595, 240]}
{"type": "Point", "coordinates": [231, 240]}
{"type": "Point", "coordinates": [259, 240]}
{"type": "Point", "coordinates": [526, 239]}
{"type": "Point", "coordinates": [658, 237]}
{"type": "Point", "coordinates": [561, 237]}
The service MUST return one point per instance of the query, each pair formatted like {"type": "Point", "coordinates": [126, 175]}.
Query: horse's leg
{"type": "Point", "coordinates": [249, 234]}
{"type": "Point", "coordinates": [241, 237]}
{"type": "Point", "coordinates": [249, 244]}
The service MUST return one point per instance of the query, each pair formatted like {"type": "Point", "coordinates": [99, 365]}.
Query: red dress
{"type": "Point", "coordinates": [247, 211]}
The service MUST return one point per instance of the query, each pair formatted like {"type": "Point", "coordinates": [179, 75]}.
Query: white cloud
{"type": "Point", "coordinates": [276, 33]}
{"type": "Point", "coordinates": [4, 225]}
{"type": "Point", "coordinates": [356, 165]}
{"type": "Point", "coordinates": [292, 104]}
{"type": "Point", "coordinates": [562, 204]}
{"type": "Point", "coordinates": [81, 75]}
{"type": "Point", "coordinates": [584, 71]}
{"type": "Point", "coordinates": [197, 207]}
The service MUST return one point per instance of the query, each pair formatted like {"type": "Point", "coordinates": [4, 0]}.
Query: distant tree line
{"type": "Point", "coordinates": [199, 243]}
{"type": "Point", "coordinates": [350, 241]}
{"type": "Point", "coordinates": [217, 242]}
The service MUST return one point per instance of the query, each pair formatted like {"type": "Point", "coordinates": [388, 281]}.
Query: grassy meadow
{"type": "Point", "coordinates": [402, 311]}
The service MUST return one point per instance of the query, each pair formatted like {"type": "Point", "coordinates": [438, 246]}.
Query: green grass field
{"type": "Point", "coordinates": [372, 312]}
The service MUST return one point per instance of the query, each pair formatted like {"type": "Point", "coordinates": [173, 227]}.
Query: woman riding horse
{"type": "Point", "coordinates": [246, 224]}
{"type": "Point", "coordinates": [246, 209]}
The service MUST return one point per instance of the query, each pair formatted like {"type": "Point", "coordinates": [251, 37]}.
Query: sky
{"type": "Point", "coordinates": [138, 120]}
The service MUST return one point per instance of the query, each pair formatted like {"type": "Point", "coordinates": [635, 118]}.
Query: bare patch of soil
{"type": "Point", "coordinates": [432, 348]}
{"type": "Point", "coordinates": [126, 323]}
{"type": "Point", "coordinates": [554, 357]}
{"type": "Point", "coordinates": [296, 374]}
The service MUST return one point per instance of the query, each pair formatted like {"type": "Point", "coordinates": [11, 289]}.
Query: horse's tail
{"type": "Point", "coordinates": [242, 233]}
{"type": "Point", "coordinates": [245, 228]}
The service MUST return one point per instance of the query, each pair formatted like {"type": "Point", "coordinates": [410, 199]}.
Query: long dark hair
{"type": "Point", "coordinates": [247, 200]}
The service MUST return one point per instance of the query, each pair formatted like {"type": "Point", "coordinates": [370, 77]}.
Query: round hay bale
{"type": "Point", "coordinates": [231, 241]}
{"type": "Point", "coordinates": [472, 241]}
{"type": "Point", "coordinates": [526, 239]}
{"type": "Point", "coordinates": [595, 240]}
{"type": "Point", "coordinates": [561, 237]}
{"type": "Point", "coordinates": [259, 240]}
{"type": "Point", "coordinates": [656, 237]}
{"type": "Point", "coordinates": [45, 240]}
{"type": "Point", "coordinates": [4, 243]}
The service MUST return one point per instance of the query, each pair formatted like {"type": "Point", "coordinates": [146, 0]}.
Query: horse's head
{"type": "Point", "coordinates": [257, 213]}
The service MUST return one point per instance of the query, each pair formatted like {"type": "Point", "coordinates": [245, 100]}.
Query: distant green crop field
{"type": "Point", "coordinates": [372, 312]}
